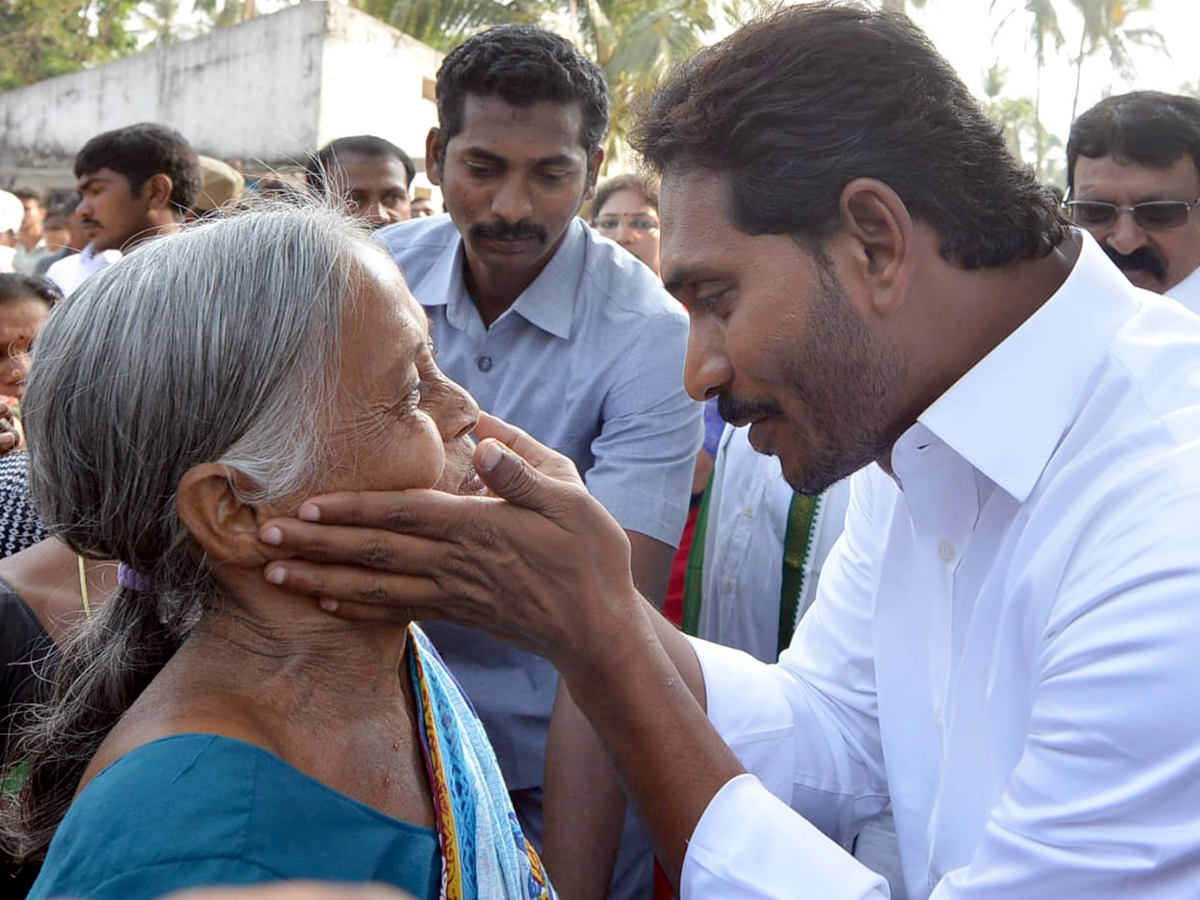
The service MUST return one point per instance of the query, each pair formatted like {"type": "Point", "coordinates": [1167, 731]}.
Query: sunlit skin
{"type": "Point", "coordinates": [371, 188]}
{"type": "Point", "coordinates": [114, 217]}
{"type": "Point", "coordinates": [629, 205]}
{"type": "Point", "coordinates": [775, 338]}
{"type": "Point", "coordinates": [513, 179]}
{"type": "Point", "coordinates": [1178, 249]}
{"type": "Point", "coordinates": [20, 321]}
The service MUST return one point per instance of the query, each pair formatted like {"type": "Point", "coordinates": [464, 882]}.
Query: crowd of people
{"type": "Point", "coordinates": [804, 515]}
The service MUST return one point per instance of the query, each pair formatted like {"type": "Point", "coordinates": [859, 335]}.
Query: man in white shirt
{"type": "Point", "coordinates": [1004, 640]}
{"type": "Point", "coordinates": [136, 183]}
{"type": "Point", "coordinates": [1133, 181]}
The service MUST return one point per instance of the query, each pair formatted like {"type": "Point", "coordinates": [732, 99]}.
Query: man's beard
{"type": "Point", "coordinates": [843, 376]}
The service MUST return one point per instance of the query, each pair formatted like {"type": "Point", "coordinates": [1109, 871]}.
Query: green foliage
{"type": "Point", "coordinates": [444, 24]}
{"type": "Point", "coordinates": [43, 38]}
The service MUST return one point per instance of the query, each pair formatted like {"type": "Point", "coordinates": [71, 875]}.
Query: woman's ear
{"type": "Point", "coordinates": [223, 526]}
{"type": "Point", "coordinates": [876, 220]}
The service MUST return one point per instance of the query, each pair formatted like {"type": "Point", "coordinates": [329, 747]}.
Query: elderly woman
{"type": "Point", "coordinates": [209, 728]}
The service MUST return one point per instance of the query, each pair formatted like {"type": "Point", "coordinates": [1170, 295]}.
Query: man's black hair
{"type": "Point", "coordinates": [139, 152]}
{"type": "Point", "coordinates": [358, 145]}
{"type": "Point", "coordinates": [1145, 128]}
{"type": "Point", "coordinates": [522, 65]}
{"type": "Point", "coordinates": [791, 108]}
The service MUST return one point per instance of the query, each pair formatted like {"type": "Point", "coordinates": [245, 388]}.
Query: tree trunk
{"type": "Point", "coordinates": [1078, 76]}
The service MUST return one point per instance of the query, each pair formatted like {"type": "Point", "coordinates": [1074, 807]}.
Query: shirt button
{"type": "Point", "coordinates": [750, 512]}
{"type": "Point", "coordinates": [484, 363]}
{"type": "Point", "coordinates": [945, 551]}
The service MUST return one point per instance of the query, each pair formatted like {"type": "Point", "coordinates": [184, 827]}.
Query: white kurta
{"type": "Point", "coordinates": [1005, 642]}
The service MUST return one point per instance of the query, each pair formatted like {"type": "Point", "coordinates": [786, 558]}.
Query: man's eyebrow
{"type": "Point", "coordinates": [558, 159]}
{"type": "Point", "coordinates": [89, 181]}
{"type": "Point", "coordinates": [678, 276]}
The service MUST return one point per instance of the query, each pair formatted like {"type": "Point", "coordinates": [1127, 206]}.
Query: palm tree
{"type": "Point", "coordinates": [635, 42]}
{"type": "Point", "coordinates": [444, 24]}
{"type": "Point", "coordinates": [1043, 28]}
{"type": "Point", "coordinates": [1104, 26]}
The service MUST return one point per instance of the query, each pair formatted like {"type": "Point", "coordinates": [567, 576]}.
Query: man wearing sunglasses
{"type": "Point", "coordinates": [1133, 181]}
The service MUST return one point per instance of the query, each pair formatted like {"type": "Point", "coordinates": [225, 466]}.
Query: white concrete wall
{"type": "Point", "coordinates": [266, 91]}
{"type": "Point", "coordinates": [373, 83]}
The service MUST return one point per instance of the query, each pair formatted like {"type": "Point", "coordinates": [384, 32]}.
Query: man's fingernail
{"type": "Point", "coordinates": [276, 575]}
{"type": "Point", "coordinates": [328, 605]}
{"type": "Point", "coordinates": [272, 536]}
{"type": "Point", "coordinates": [489, 456]}
{"type": "Point", "coordinates": [309, 512]}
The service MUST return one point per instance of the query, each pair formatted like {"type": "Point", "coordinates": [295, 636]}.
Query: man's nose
{"type": "Point", "coordinates": [512, 202]}
{"type": "Point", "coordinates": [706, 368]}
{"type": "Point", "coordinates": [1125, 235]}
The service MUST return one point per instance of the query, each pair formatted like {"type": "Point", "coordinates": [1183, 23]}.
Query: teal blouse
{"type": "Point", "coordinates": [200, 809]}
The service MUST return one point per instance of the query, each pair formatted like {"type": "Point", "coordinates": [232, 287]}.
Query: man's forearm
{"type": "Point", "coordinates": [644, 695]}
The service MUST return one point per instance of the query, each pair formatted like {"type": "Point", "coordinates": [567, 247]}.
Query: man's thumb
{"type": "Point", "coordinates": [511, 477]}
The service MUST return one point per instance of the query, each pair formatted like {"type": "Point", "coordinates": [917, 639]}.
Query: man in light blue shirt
{"type": "Point", "coordinates": [555, 329]}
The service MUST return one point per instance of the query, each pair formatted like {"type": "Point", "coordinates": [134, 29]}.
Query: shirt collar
{"type": "Point", "coordinates": [548, 302]}
{"type": "Point", "coordinates": [1008, 413]}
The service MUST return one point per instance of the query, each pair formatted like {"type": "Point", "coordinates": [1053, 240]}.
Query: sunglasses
{"type": "Point", "coordinates": [1153, 215]}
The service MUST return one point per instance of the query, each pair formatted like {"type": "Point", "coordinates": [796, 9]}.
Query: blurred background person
{"type": "Point", "coordinates": [25, 303]}
{"type": "Point", "coordinates": [221, 185]}
{"type": "Point", "coordinates": [136, 183]}
{"type": "Point", "coordinates": [625, 210]}
{"type": "Point", "coordinates": [64, 233]}
{"type": "Point", "coordinates": [32, 246]}
{"type": "Point", "coordinates": [368, 175]}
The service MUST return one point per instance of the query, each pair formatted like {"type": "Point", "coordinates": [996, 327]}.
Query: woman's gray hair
{"type": "Point", "coordinates": [220, 344]}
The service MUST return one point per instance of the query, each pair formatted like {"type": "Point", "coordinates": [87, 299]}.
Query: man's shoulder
{"type": "Point", "coordinates": [418, 239]}
{"type": "Point", "coordinates": [623, 285]}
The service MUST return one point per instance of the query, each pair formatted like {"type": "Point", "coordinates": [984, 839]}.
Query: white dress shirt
{"type": "Point", "coordinates": [72, 271]}
{"type": "Point", "coordinates": [1005, 642]}
{"type": "Point", "coordinates": [1187, 291]}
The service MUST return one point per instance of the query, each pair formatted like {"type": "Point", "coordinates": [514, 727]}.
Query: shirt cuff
{"type": "Point", "coordinates": [749, 845]}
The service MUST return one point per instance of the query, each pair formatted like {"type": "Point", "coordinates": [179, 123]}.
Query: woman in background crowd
{"type": "Point", "coordinates": [625, 209]}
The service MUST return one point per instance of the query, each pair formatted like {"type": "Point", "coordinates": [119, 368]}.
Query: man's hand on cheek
{"type": "Point", "coordinates": [526, 565]}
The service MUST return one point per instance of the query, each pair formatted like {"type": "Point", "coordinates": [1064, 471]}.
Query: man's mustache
{"type": "Point", "coordinates": [1142, 259]}
{"type": "Point", "coordinates": [502, 231]}
{"type": "Point", "coordinates": [748, 409]}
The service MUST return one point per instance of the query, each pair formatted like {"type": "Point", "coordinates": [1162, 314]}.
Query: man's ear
{"type": "Point", "coordinates": [878, 225]}
{"type": "Point", "coordinates": [156, 191]}
{"type": "Point", "coordinates": [594, 174]}
{"type": "Point", "coordinates": [433, 156]}
{"type": "Point", "coordinates": [220, 523]}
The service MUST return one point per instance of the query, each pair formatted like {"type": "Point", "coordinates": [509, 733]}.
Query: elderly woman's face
{"type": "Point", "coordinates": [403, 423]}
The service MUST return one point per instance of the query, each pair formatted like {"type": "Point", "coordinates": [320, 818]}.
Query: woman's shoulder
{"type": "Point", "coordinates": [206, 808]}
